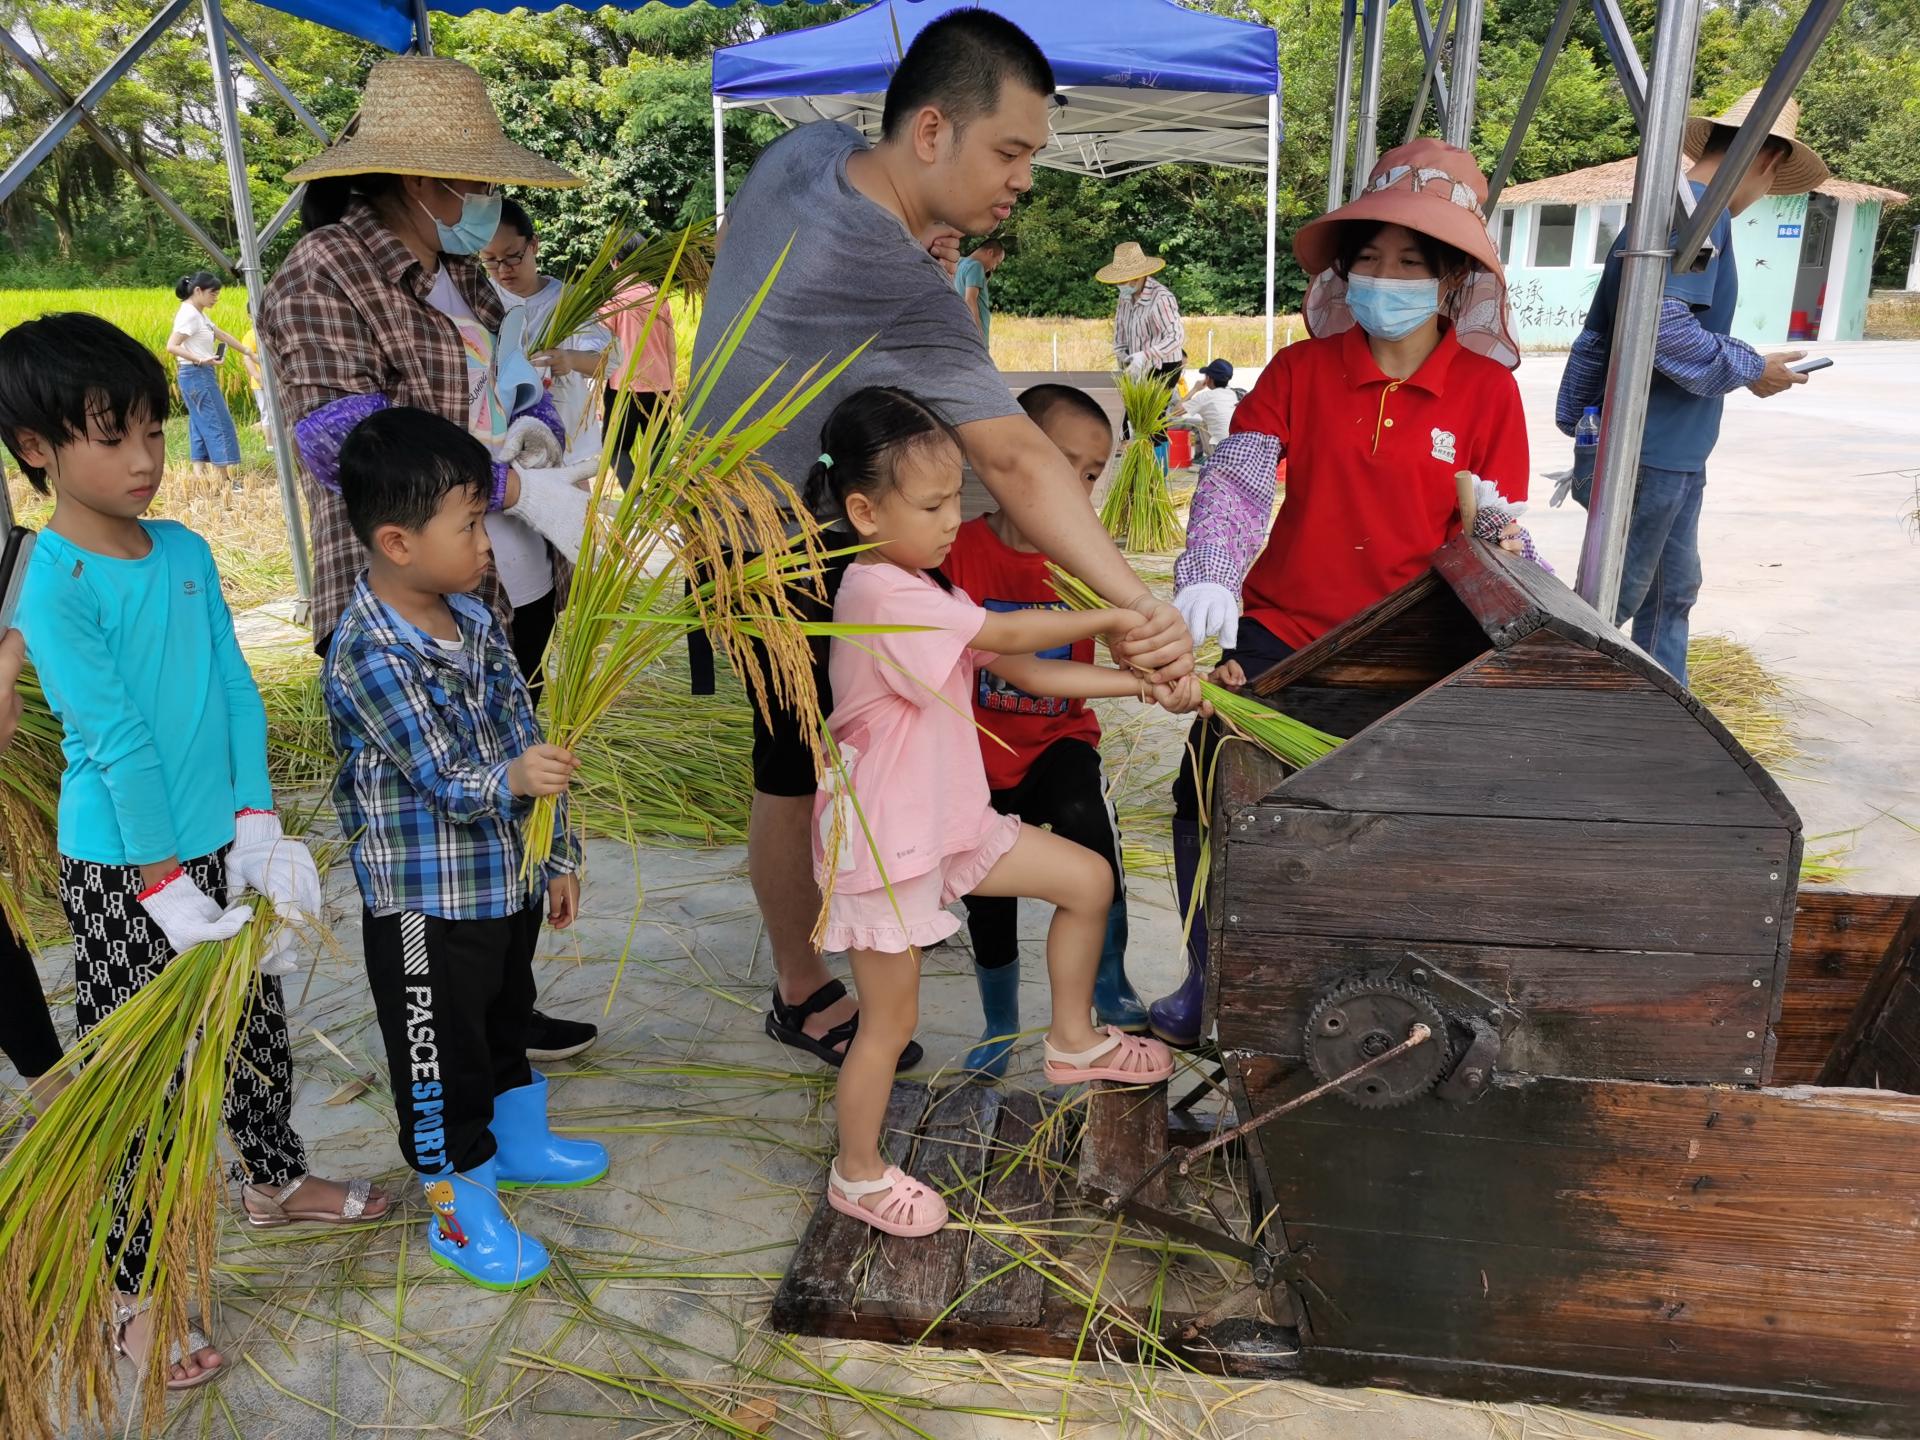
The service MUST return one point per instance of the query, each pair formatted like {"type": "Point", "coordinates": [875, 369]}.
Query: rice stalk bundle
{"type": "Point", "coordinates": [154, 1080]}
{"type": "Point", "coordinates": [1746, 697]}
{"type": "Point", "coordinates": [1291, 741]}
{"type": "Point", "coordinates": [1139, 511]}
{"type": "Point", "coordinates": [666, 765]}
{"type": "Point", "coordinates": [701, 543]}
{"type": "Point", "coordinates": [679, 259]}
{"type": "Point", "coordinates": [29, 811]}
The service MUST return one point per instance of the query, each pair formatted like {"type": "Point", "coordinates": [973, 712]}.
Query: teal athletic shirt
{"type": "Point", "coordinates": [166, 738]}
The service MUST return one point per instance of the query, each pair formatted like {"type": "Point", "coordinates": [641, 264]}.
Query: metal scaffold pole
{"type": "Point", "coordinates": [1643, 279]}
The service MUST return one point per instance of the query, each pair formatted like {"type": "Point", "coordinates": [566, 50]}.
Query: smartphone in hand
{"type": "Point", "coordinates": [13, 572]}
{"type": "Point", "coordinates": [1807, 367]}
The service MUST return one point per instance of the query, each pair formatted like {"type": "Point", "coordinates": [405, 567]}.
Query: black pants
{"type": "Point", "coordinates": [26, 1025]}
{"type": "Point", "coordinates": [782, 759]}
{"type": "Point", "coordinates": [1066, 791]}
{"type": "Point", "coordinates": [1258, 652]}
{"type": "Point", "coordinates": [116, 950]}
{"type": "Point", "coordinates": [454, 998]}
{"type": "Point", "coordinates": [532, 627]}
{"type": "Point", "coordinates": [644, 405]}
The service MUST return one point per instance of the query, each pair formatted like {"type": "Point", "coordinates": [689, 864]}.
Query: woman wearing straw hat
{"type": "Point", "coordinates": [1696, 365]}
{"type": "Point", "coordinates": [381, 304]}
{"type": "Point", "coordinates": [1149, 338]}
{"type": "Point", "coordinates": [1406, 384]}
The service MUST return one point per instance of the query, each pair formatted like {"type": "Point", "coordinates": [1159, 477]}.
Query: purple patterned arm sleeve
{"type": "Point", "coordinates": [320, 434]}
{"type": "Point", "coordinates": [548, 414]}
{"type": "Point", "coordinates": [1232, 504]}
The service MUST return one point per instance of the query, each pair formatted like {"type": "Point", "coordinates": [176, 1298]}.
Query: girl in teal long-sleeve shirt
{"type": "Point", "coordinates": [166, 812]}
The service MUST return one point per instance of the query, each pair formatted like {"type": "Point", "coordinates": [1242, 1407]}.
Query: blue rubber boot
{"type": "Point", "coordinates": [471, 1235]}
{"type": "Point", "coordinates": [1113, 998]}
{"type": "Point", "coordinates": [1000, 1004]}
{"type": "Point", "coordinates": [530, 1153]}
{"type": "Point", "coordinates": [1176, 1018]}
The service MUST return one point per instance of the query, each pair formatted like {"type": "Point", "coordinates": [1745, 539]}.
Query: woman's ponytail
{"type": "Point", "coordinates": [183, 287]}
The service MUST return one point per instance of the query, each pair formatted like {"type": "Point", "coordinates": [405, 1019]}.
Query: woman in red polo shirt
{"type": "Point", "coordinates": [1406, 381]}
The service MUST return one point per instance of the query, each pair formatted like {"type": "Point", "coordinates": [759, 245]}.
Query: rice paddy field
{"type": "Point", "coordinates": [1024, 343]}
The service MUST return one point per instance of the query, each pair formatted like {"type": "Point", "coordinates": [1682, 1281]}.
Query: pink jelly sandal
{"type": "Point", "coordinates": [1132, 1060]}
{"type": "Point", "coordinates": [910, 1210]}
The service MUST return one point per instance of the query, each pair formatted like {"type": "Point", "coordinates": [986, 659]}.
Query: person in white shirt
{"type": "Point", "coordinates": [1208, 411]}
{"type": "Point", "coordinates": [196, 343]}
{"type": "Point", "coordinates": [574, 368]}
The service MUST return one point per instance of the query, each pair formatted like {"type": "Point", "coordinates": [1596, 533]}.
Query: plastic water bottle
{"type": "Point", "coordinates": [1586, 445]}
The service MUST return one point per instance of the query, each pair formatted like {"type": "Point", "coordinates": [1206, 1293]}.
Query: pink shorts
{"type": "Point", "coordinates": [915, 913]}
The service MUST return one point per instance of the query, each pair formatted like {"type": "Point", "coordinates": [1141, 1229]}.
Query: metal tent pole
{"type": "Point", "coordinates": [719, 160]}
{"type": "Point", "coordinates": [1433, 38]}
{"type": "Point", "coordinates": [1273, 201]}
{"type": "Point", "coordinates": [1536, 88]}
{"type": "Point", "coordinates": [1342, 108]}
{"type": "Point", "coordinates": [1636, 319]}
{"type": "Point", "coordinates": [1466, 73]}
{"type": "Point", "coordinates": [1365, 146]}
{"type": "Point", "coordinates": [422, 29]}
{"type": "Point", "coordinates": [254, 276]}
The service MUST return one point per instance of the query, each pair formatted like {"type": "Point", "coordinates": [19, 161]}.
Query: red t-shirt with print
{"type": "Point", "coordinates": [999, 578]}
{"type": "Point", "coordinates": [1370, 472]}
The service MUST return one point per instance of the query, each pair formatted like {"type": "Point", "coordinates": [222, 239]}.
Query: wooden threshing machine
{"type": "Point", "coordinates": [1551, 1085]}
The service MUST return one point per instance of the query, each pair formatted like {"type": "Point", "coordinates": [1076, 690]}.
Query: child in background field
{"type": "Point", "coordinates": [1041, 752]}
{"type": "Point", "coordinates": [166, 814]}
{"type": "Point", "coordinates": [443, 759]}
{"type": "Point", "coordinates": [908, 759]}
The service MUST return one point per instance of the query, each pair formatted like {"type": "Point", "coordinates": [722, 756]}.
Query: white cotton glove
{"type": "Point", "coordinates": [1209, 609]}
{"type": "Point", "coordinates": [530, 443]}
{"type": "Point", "coordinates": [188, 916]}
{"type": "Point", "coordinates": [554, 501]}
{"type": "Point", "coordinates": [1137, 363]}
{"type": "Point", "coordinates": [264, 859]}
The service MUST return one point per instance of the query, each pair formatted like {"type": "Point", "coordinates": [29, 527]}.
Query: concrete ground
{"type": "Point", "coordinates": [653, 1322]}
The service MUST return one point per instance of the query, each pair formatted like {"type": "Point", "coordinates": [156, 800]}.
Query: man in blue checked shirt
{"type": "Point", "coordinates": [443, 760]}
{"type": "Point", "coordinates": [1697, 364]}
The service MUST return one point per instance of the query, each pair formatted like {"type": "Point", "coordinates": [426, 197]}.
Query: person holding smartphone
{"type": "Point", "coordinates": [1697, 363]}
{"type": "Point", "coordinates": [197, 344]}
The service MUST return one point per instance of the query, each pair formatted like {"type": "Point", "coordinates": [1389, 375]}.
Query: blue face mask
{"type": "Point", "coordinates": [1392, 309]}
{"type": "Point", "coordinates": [471, 233]}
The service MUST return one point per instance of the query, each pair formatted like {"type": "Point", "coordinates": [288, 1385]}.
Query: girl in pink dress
{"type": "Point", "coordinates": [903, 823]}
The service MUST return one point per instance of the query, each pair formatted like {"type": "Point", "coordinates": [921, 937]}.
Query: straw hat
{"type": "Point", "coordinates": [1130, 263]}
{"type": "Point", "coordinates": [421, 115]}
{"type": "Point", "coordinates": [1800, 172]}
{"type": "Point", "coordinates": [1435, 188]}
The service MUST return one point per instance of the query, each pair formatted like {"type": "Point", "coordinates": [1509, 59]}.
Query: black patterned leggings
{"type": "Point", "coordinates": [116, 950]}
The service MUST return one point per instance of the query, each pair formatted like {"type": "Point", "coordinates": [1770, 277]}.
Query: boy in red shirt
{"type": "Point", "coordinates": [1042, 754]}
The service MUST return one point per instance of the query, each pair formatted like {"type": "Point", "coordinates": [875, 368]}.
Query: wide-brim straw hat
{"type": "Point", "coordinates": [1801, 171]}
{"type": "Point", "coordinates": [423, 115]}
{"type": "Point", "coordinates": [1436, 189]}
{"type": "Point", "coordinates": [1129, 263]}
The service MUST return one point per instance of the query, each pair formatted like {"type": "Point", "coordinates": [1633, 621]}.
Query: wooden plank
{"type": "Point", "coordinates": [916, 1279]}
{"type": "Point", "coordinates": [1021, 1194]}
{"type": "Point", "coordinates": [1852, 1061]}
{"type": "Point", "coordinates": [1839, 941]}
{"type": "Point", "coordinates": [1511, 597]}
{"type": "Point", "coordinates": [1411, 638]}
{"type": "Point", "coordinates": [1125, 1132]}
{"type": "Point", "coordinates": [1585, 1013]}
{"type": "Point", "coordinates": [1719, 890]}
{"type": "Point", "coordinates": [1763, 1238]}
{"type": "Point", "coordinates": [1343, 710]}
{"type": "Point", "coordinates": [1890, 1060]}
{"type": "Point", "coordinates": [1478, 744]}
{"type": "Point", "coordinates": [833, 1248]}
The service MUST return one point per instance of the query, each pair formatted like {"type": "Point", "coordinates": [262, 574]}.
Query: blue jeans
{"type": "Point", "coordinates": [1660, 577]}
{"type": "Point", "coordinates": [211, 438]}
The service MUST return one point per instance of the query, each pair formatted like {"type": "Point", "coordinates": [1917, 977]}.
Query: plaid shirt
{"type": "Point", "coordinates": [347, 314]}
{"type": "Point", "coordinates": [1150, 325]}
{"type": "Point", "coordinates": [427, 737]}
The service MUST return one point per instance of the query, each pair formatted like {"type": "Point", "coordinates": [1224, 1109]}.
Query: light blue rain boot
{"type": "Point", "coordinates": [1000, 1004]}
{"type": "Point", "coordinates": [1113, 998]}
{"type": "Point", "coordinates": [471, 1235]}
{"type": "Point", "coordinates": [530, 1153]}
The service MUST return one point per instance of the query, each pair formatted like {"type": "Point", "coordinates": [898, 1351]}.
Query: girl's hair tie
{"type": "Point", "coordinates": [826, 460]}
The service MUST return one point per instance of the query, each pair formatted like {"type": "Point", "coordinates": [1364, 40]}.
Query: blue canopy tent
{"type": "Point", "coordinates": [1142, 83]}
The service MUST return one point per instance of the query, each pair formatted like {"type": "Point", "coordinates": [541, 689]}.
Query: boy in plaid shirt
{"type": "Point", "coordinates": [443, 759]}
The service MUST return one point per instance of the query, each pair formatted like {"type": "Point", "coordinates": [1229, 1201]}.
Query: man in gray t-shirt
{"type": "Point", "coordinates": [966, 109]}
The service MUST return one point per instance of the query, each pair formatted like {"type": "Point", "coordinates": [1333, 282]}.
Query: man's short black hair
{"type": "Point", "coordinates": [514, 216]}
{"type": "Point", "coordinates": [62, 370]}
{"type": "Point", "coordinates": [1040, 401]}
{"type": "Point", "coordinates": [398, 464]}
{"type": "Point", "coordinates": [959, 63]}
